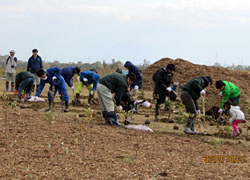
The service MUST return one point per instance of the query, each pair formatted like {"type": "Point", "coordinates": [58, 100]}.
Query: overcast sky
{"type": "Point", "coordinates": [201, 31]}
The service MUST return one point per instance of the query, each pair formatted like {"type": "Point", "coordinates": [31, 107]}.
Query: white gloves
{"type": "Point", "coordinates": [119, 108]}
{"type": "Point", "coordinates": [198, 112]}
{"type": "Point", "coordinates": [91, 93]}
{"type": "Point", "coordinates": [136, 87]}
{"type": "Point", "coordinates": [54, 78]}
{"type": "Point", "coordinates": [169, 89]}
{"type": "Point", "coordinates": [221, 94]}
{"type": "Point", "coordinates": [220, 111]}
{"type": "Point", "coordinates": [85, 79]}
{"type": "Point", "coordinates": [230, 120]}
{"type": "Point", "coordinates": [203, 92]}
{"type": "Point", "coordinates": [72, 87]}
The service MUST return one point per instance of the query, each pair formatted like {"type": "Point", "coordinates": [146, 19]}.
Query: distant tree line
{"type": "Point", "coordinates": [234, 67]}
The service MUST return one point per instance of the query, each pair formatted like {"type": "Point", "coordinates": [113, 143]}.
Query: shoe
{"type": "Point", "coordinates": [187, 130]}
{"type": "Point", "coordinates": [235, 134]}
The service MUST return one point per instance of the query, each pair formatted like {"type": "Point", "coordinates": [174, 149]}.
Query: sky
{"type": "Point", "coordinates": [201, 31]}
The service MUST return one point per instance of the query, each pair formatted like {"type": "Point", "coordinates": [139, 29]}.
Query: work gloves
{"type": "Point", "coordinates": [198, 112]}
{"type": "Point", "coordinates": [136, 87]}
{"type": "Point", "coordinates": [169, 89]}
{"type": "Point", "coordinates": [72, 87]}
{"type": "Point", "coordinates": [85, 79]}
{"type": "Point", "coordinates": [119, 108]}
{"type": "Point", "coordinates": [203, 92]}
{"type": "Point", "coordinates": [220, 111]}
{"type": "Point", "coordinates": [92, 93]}
{"type": "Point", "coordinates": [54, 78]}
{"type": "Point", "coordinates": [221, 94]}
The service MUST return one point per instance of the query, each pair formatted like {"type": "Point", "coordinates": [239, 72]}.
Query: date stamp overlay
{"type": "Point", "coordinates": [224, 158]}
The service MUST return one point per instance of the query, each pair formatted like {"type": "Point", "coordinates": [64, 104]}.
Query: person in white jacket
{"type": "Point", "coordinates": [237, 116]}
{"type": "Point", "coordinates": [10, 70]}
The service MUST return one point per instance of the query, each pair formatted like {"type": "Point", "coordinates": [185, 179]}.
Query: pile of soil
{"type": "Point", "coordinates": [185, 71]}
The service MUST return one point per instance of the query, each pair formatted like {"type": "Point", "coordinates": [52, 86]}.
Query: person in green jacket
{"type": "Point", "coordinates": [190, 93]}
{"type": "Point", "coordinates": [228, 91]}
{"type": "Point", "coordinates": [24, 82]}
{"type": "Point", "coordinates": [114, 83]}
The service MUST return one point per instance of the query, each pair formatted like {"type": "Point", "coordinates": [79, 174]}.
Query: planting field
{"type": "Point", "coordinates": [78, 145]}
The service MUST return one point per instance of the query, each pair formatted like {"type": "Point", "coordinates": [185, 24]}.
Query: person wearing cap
{"type": "Point", "coordinates": [53, 77]}
{"type": "Point", "coordinates": [34, 63]}
{"type": "Point", "coordinates": [10, 70]}
{"type": "Point", "coordinates": [117, 84]}
{"type": "Point", "coordinates": [162, 79]}
{"type": "Point", "coordinates": [89, 79]}
{"type": "Point", "coordinates": [190, 93]}
{"type": "Point", "coordinates": [228, 91]}
{"type": "Point", "coordinates": [137, 72]}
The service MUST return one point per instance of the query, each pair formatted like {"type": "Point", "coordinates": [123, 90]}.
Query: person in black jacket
{"type": "Point", "coordinates": [190, 93]}
{"type": "Point", "coordinates": [162, 79]}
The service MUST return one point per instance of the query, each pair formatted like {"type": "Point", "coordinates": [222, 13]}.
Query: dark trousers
{"type": "Point", "coordinates": [189, 104]}
{"type": "Point", "coordinates": [25, 85]}
{"type": "Point", "coordinates": [161, 99]}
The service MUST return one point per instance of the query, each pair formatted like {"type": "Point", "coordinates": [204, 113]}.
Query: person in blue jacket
{"type": "Point", "coordinates": [90, 79]}
{"type": "Point", "coordinates": [54, 78]}
{"type": "Point", "coordinates": [34, 63]}
{"type": "Point", "coordinates": [68, 73]}
{"type": "Point", "coordinates": [135, 70]}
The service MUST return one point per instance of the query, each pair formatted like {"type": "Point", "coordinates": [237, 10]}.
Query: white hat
{"type": "Point", "coordinates": [12, 51]}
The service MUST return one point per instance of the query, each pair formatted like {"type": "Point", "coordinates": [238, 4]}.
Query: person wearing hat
{"type": "Point", "coordinates": [137, 72]}
{"type": "Point", "coordinates": [190, 93]}
{"type": "Point", "coordinates": [89, 79]}
{"type": "Point", "coordinates": [34, 63]}
{"type": "Point", "coordinates": [162, 79]}
{"type": "Point", "coordinates": [54, 78]}
{"type": "Point", "coordinates": [228, 91]}
{"type": "Point", "coordinates": [10, 70]}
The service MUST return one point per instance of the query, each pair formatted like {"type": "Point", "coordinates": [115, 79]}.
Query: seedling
{"type": "Point", "coordinates": [50, 117]}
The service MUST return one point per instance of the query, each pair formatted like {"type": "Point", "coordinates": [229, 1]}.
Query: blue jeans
{"type": "Point", "coordinates": [26, 85]}
{"type": "Point", "coordinates": [62, 88]}
{"type": "Point", "coordinates": [235, 101]}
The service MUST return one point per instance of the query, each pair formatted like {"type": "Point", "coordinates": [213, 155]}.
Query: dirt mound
{"type": "Point", "coordinates": [186, 71]}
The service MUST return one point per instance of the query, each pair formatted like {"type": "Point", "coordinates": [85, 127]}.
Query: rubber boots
{"type": "Point", "coordinates": [12, 86]}
{"type": "Point", "coordinates": [66, 106]}
{"type": "Point", "coordinates": [7, 87]}
{"type": "Point", "coordinates": [50, 105]}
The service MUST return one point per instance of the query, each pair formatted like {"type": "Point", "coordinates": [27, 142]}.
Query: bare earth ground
{"type": "Point", "coordinates": [34, 145]}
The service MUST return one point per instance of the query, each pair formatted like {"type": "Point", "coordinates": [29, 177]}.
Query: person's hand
{"type": "Point", "coordinates": [203, 92]}
{"type": "Point", "coordinates": [54, 78]}
{"type": "Point", "coordinates": [91, 93]}
{"type": "Point", "coordinates": [198, 112]}
{"type": "Point", "coordinates": [119, 108]}
{"type": "Point", "coordinates": [169, 89]}
{"type": "Point", "coordinates": [72, 87]}
{"type": "Point", "coordinates": [220, 111]}
{"type": "Point", "coordinates": [136, 87]}
{"type": "Point", "coordinates": [230, 120]}
{"type": "Point", "coordinates": [85, 79]}
{"type": "Point", "coordinates": [221, 94]}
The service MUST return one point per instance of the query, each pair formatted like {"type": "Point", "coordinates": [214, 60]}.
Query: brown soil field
{"type": "Point", "coordinates": [39, 145]}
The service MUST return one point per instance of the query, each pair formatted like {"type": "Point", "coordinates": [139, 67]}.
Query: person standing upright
{"type": "Point", "coordinates": [10, 70]}
{"type": "Point", "coordinates": [34, 63]}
